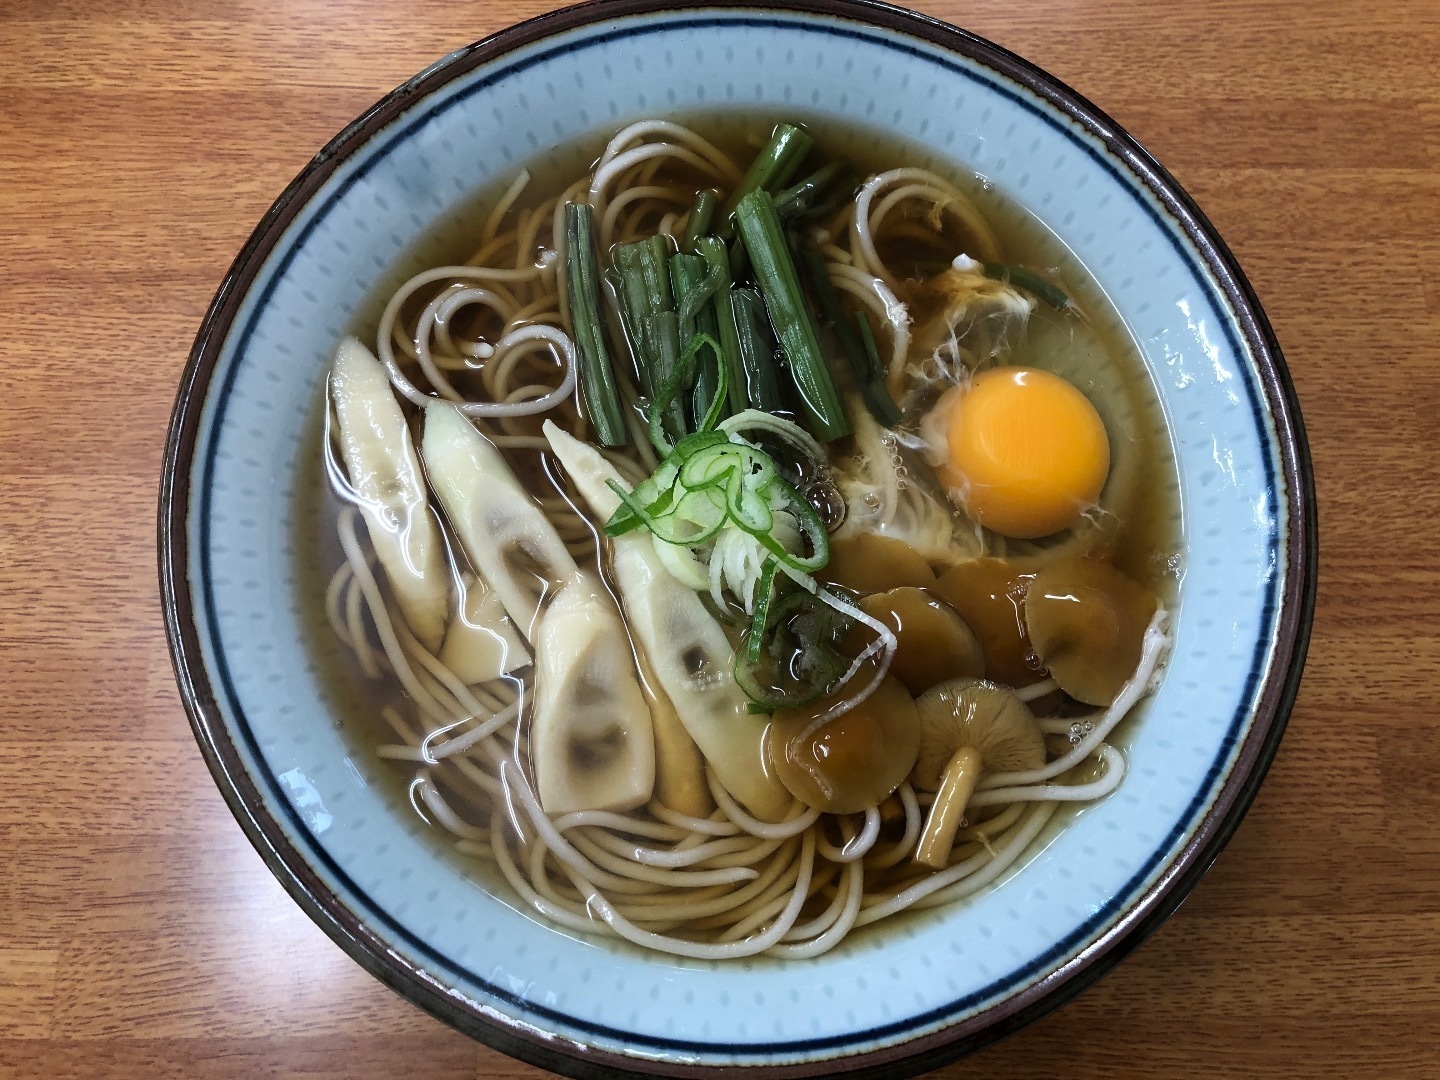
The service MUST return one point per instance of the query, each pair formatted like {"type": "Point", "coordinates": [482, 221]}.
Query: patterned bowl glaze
{"type": "Point", "coordinates": [887, 1002]}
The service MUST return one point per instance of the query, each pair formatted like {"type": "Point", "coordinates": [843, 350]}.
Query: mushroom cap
{"type": "Point", "coordinates": [980, 714]}
{"type": "Point", "coordinates": [854, 761]}
{"type": "Point", "coordinates": [1086, 622]}
{"type": "Point", "coordinates": [870, 563]}
{"type": "Point", "coordinates": [935, 643]}
{"type": "Point", "coordinates": [989, 595]}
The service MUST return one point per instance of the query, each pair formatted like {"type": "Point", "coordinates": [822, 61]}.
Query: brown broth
{"type": "Point", "coordinates": [1100, 357]}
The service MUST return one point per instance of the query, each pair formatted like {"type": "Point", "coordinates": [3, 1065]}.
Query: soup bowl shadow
{"type": "Point", "coordinates": [242, 443]}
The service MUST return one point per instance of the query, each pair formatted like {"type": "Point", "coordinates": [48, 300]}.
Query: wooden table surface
{"type": "Point", "coordinates": [140, 141]}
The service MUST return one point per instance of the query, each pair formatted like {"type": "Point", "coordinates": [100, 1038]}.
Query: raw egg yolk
{"type": "Point", "coordinates": [1026, 453]}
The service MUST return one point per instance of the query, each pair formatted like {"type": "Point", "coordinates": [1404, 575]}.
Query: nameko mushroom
{"type": "Point", "coordinates": [967, 727]}
{"type": "Point", "coordinates": [1086, 622]}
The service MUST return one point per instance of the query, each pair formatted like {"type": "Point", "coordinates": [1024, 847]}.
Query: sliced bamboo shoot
{"type": "Point", "coordinates": [591, 737]}
{"type": "Point", "coordinates": [685, 646]}
{"type": "Point", "coordinates": [482, 643]}
{"type": "Point", "coordinates": [385, 473]}
{"type": "Point", "coordinates": [509, 540]}
{"type": "Point", "coordinates": [679, 768]}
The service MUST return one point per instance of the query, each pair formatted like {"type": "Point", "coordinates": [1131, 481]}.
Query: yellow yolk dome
{"type": "Point", "coordinates": [1025, 452]}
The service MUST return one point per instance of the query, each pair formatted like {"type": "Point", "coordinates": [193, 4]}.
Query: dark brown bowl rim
{"type": "Point", "coordinates": [367, 946]}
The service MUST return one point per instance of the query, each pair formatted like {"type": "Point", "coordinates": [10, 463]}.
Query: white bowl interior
{"type": "Point", "coordinates": [257, 430]}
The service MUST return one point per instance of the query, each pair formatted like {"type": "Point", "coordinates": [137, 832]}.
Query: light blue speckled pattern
{"type": "Point", "coordinates": [256, 419]}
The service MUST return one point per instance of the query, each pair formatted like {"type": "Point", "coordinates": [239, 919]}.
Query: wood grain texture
{"type": "Point", "coordinates": [140, 141]}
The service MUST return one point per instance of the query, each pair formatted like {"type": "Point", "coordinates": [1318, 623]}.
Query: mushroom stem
{"type": "Point", "coordinates": [957, 784]}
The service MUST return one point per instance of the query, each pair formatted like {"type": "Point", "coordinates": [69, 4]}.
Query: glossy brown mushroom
{"type": "Point", "coordinates": [989, 595]}
{"type": "Point", "coordinates": [934, 642]}
{"type": "Point", "coordinates": [871, 563]}
{"type": "Point", "coordinates": [854, 761]}
{"type": "Point", "coordinates": [968, 727]}
{"type": "Point", "coordinates": [1086, 621]}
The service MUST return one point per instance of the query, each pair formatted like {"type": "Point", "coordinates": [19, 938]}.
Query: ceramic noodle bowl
{"type": "Point", "coordinates": [899, 996]}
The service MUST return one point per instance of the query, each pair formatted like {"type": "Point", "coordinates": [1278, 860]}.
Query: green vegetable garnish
{"type": "Point", "coordinates": [1031, 282]}
{"type": "Point", "coordinates": [598, 391]}
{"type": "Point", "coordinates": [790, 656]}
{"type": "Point", "coordinates": [779, 283]}
{"type": "Point", "coordinates": [709, 480]}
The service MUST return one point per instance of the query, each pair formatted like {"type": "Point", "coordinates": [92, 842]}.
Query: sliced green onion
{"type": "Point", "coordinates": [658, 493]}
{"type": "Point", "coordinates": [776, 428]}
{"type": "Point", "coordinates": [667, 526]}
{"type": "Point", "coordinates": [737, 480]}
{"type": "Point", "coordinates": [797, 660]}
{"type": "Point", "coordinates": [760, 622]}
{"type": "Point", "coordinates": [694, 444]}
{"type": "Point", "coordinates": [716, 463]}
{"type": "Point", "coordinates": [811, 527]}
{"type": "Point", "coordinates": [749, 509]}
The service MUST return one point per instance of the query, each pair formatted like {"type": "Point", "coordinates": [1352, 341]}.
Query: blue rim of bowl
{"type": "Point", "coordinates": [359, 936]}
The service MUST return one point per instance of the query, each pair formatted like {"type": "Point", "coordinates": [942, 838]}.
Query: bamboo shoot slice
{"type": "Point", "coordinates": [591, 737]}
{"type": "Point", "coordinates": [506, 535]}
{"type": "Point", "coordinates": [385, 473]}
{"type": "Point", "coordinates": [481, 644]}
{"type": "Point", "coordinates": [679, 769]}
{"type": "Point", "coordinates": [685, 646]}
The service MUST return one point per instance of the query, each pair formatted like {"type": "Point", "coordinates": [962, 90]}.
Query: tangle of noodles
{"type": "Point", "coordinates": [491, 334]}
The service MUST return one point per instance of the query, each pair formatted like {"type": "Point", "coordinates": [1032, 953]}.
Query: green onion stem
{"type": "Point", "coordinates": [599, 393]}
{"type": "Point", "coordinates": [626, 332]}
{"type": "Point", "coordinates": [757, 351]}
{"type": "Point", "coordinates": [816, 193]}
{"type": "Point", "coordinates": [739, 262]}
{"type": "Point", "coordinates": [771, 169]}
{"type": "Point", "coordinates": [779, 283]}
{"type": "Point", "coordinates": [702, 213]}
{"type": "Point", "coordinates": [653, 322]}
{"type": "Point", "coordinates": [643, 288]}
{"type": "Point", "coordinates": [712, 249]}
{"type": "Point", "coordinates": [696, 284]}
{"type": "Point", "coordinates": [663, 331]}
{"type": "Point", "coordinates": [864, 362]}
{"type": "Point", "coordinates": [682, 374]}
{"type": "Point", "coordinates": [1031, 282]}
{"type": "Point", "coordinates": [646, 285]}
{"type": "Point", "coordinates": [877, 396]}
